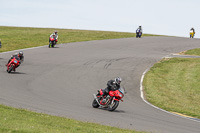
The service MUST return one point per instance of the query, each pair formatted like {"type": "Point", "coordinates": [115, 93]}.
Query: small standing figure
{"type": "Point", "coordinates": [139, 32]}
{"type": "Point", "coordinates": [192, 33]}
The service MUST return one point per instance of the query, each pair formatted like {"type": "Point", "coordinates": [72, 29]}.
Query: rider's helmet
{"type": "Point", "coordinates": [20, 54]}
{"type": "Point", "coordinates": [56, 32]}
{"type": "Point", "coordinates": [118, 80]}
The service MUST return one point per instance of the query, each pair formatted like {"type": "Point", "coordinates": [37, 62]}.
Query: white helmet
{"type": "Point", "coordinates": [118, 80]}
{"type": "Point", "coordinates": [21, 53]}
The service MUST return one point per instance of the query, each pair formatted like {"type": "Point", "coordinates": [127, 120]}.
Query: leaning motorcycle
{"type": "Point", "coordinates": [52, 41]}
{"type": "Point", "coordinates": [112, 100]}
{"type": "Point", "coordinates": [13, 64]}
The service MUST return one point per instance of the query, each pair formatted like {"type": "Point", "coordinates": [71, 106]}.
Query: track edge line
{"type": "Point", "coordinates": [142, 96]}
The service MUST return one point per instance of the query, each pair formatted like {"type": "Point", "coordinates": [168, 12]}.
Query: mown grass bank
{"type": "Point", "coordinates": [13, 38]}
{"type": "Point", "coordinates": [193, 52]}
{"type": "Point", "coordinates": [173, 85]}
{"type": "Point", "coordinates": [22, 121]}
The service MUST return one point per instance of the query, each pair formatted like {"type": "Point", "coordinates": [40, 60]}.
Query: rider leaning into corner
{"type": "Point", "coordinates": [19, 56]}
{"type": "Point", "coordinates": [55, 33]}
{"type": "Point", "coordinates": [111, 85]}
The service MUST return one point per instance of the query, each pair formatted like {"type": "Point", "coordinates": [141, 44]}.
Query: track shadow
{"type": "Point", "coordinates": [116, 111]}
{"type": "Point", "coordinates": [119, 111]}
{"type": "Point", "coordinates": [17, 73]}
{"type": "Point", "coordinates": [54, 47]}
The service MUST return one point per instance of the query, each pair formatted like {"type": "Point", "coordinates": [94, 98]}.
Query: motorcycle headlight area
{"type": "Point", "coordinates": [15, 61]}
{"type": "Point", "coordinates": [121, 95]}
{"type": "Point", "coordinates": [121, 90]}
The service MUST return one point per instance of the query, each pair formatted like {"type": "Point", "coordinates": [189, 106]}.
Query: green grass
{"type": "Point", "coordinates": [22, 121]}
{"type": "Point", "coordinates": [193, 52]}
{"type": "Point", "coordinates": [174, 85]}
{"type": "Point", "coordinates": [13, 38]}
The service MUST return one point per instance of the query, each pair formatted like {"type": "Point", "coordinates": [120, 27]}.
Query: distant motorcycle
{"type": "Point", "coordinates": [112, 100]}
{"type": "Point", "coordinates": [138, 34]}
{"type": "Point", "coordinates": [13, 64]}
{"type": "Point", "coordinates": [52, 41]}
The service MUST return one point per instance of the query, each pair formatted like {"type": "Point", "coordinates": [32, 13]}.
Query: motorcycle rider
{"type": "Point", "coordinates": [111, 85]}
{"type": "Point", "coordinates": [192, 31]}
{"type": "Point", "coordinates": [54, 34]}
{"type": "Point", "coordinates": [19, 56]}
{"type": "Point", "coordinates": [139, 30]}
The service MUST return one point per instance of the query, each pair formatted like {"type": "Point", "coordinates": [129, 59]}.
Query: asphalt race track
{"type": "Point", "coordinates": [61, 81]}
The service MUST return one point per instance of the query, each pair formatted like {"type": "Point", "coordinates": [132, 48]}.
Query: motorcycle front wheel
{"type": "Point", "coordinates": [95, 104]}
{"type": "Point", "coordinates": [53, 44]}
{"type": "Point", "coordinates": [10, 69]}
{"type": "Point", "coordinates": [49, 44]}
{"type": "Point", "coordinates": [113, 106]}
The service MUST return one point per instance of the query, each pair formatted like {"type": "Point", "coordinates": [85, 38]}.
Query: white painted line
{"type": "Point", "coordinates": [26, 49]}
{"type": "Point", "coordinates": [23, 49]}
{"type": "Point", "coordinates": [175, 54]}
{"type": "Point", "coordinates": [142, 96]}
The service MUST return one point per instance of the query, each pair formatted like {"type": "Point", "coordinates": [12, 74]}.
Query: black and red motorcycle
{"type": "Point", "coordinates": [13, 64]}
{"type": "Point", "coordinates": [112, 100]}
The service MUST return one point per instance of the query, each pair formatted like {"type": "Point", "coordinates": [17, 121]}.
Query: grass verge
{"type": "Point", "coordinates": [173, 85]}
{"type": "Point", "coordinates": [193, 52]}
{"type": "Point", "coordinates": [13, 38]}
{"type": "Point", "coordinates": [23, 121]}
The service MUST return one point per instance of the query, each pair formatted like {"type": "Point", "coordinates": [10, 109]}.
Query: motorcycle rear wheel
{"type": "Point", "coordinates": [113, 106]}
{"type": "Point", "coordinates": [95, 104]}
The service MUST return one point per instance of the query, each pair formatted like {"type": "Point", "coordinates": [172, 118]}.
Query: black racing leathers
{"type": "Point", "coordinates": [111, 85]}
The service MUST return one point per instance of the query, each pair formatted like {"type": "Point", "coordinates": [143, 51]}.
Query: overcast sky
{"type": "Point", "coordinates": [165, 17]}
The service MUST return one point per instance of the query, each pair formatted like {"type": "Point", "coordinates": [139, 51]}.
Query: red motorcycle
{"type": "Point", "coordinates": [52, 41]}
{"type": "Point", "coordinates": [112, 100]}
{"type": "Point", "coordinates": [13, 64]}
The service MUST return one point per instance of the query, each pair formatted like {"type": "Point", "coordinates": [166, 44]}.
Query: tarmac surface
{"type": "Point", "coordinates": [61, 81]}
